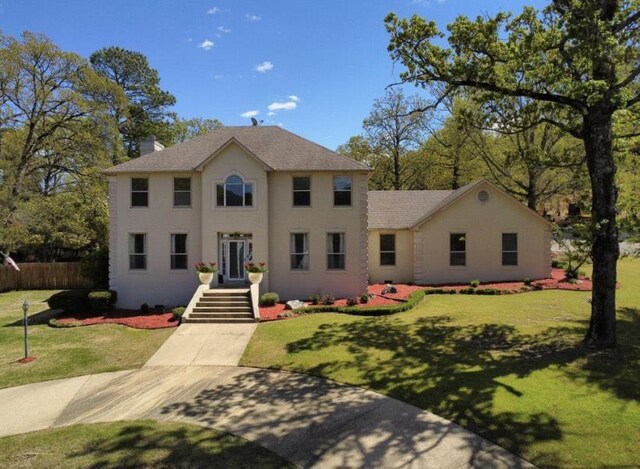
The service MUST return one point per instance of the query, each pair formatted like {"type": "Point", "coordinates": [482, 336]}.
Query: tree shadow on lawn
{"type": "Point", "coordinates": [177, 447]}
{"type": "Point", "coordinates": [37, 319]}
{"type": "Point", "coordinates": [452, 371]}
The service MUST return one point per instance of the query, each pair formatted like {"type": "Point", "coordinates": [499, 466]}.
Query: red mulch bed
{"type": "Point", "coordinates": [556, 282]}
{"type": "Point", "coordinates": [126, 317]}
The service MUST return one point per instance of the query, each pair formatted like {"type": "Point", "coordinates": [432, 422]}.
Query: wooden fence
{"type": "Point", "coordinates": [43, 276]}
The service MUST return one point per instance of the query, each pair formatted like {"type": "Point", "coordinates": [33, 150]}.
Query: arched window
{"type": "Point", "coordinates": [234, 193]}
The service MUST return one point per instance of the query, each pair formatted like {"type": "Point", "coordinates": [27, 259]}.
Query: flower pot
{"type": "Point", "coordinates": [205, 277]}
{"type": "Point", "coordinates": [255, 277]}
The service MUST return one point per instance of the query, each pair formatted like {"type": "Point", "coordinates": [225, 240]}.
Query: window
{"type": "Point", "coordinates": [139, 192]}
{"type": "Point", "coordinates": [342, 191]}
{"type": "Point", "coordinates": [387, 249]}
{"type": "Point", "coordinates": [457, 249]}
{"type": "Point", "coordinates": [301, 191]}
{"type": "Point", "coordinates": [299, 251]}
{"type": "Point", "coordinates": [509, 249]}
{"type": "Point", "coordinates": [137, 251]}
{"type": "Point", "coordinates": [179, 251]}
{"type": "Point", "coordinates": [234, 193]}
{"type": "Point", "coordinates": [335, 251]}
{"type": "Point", "coordinates": [182, 192]}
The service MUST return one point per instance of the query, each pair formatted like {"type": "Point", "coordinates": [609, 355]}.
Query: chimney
{"type": "Point", "coordinates": [150, 145]}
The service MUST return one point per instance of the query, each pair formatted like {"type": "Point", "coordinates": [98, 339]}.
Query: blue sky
{"type": "Point", "coordinates": [313, 67]}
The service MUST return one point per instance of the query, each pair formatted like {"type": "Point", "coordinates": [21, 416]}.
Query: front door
{"type": "Point", "coordinates": [234, 253]}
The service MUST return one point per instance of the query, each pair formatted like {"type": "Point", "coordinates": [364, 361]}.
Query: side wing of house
{"type": "Point", "coordinates": [391, 256]}
{"type": "Point", "coordinates": [484, 234]}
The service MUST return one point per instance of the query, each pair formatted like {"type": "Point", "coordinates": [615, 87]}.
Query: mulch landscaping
{"type": "Point", "coordinates": [557, 281]}
{"type": "Point", "coordinates": [126, 317]}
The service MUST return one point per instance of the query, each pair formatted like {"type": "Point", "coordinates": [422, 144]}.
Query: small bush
{"type": "Point", "coordinates": [178, 312]}
{"type": "Point", "coordinates": [327, 300]}
{"type": "Point", "coordinates": [556, 264]}
{"type": "Point", "coordinates": [474, 283]}
{"type": "Point", "coordinates": [70, 301]}
{"type": "Point", "coordinates": [144, 308]}
{"type": "Point", "coordinates": [269, 299]}
{"type": "Point", "coordinates": [383, 310]}
{"type": "Point", "coordinates": [353, 301]}
{"type": "Point", "coordinates": [527, 281]}
{"type": "Point", "coordinates": [364, 298]}
{"type": "Point", "coordinates": [102, 300]}
{"type": "Point", "coordinates": [488, 291]}
{"type": "Point", "coordinates": [315, 299]}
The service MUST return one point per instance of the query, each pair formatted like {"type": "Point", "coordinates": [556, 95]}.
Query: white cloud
{"type": "Point", "coordinates": [250, 113]}
{"type": "Point", "coordinates": [264, 67]}
{"type": "Point", "coordinates": [293, 97]}
{"type": "Point", "coordinates": [213, 10]}
{"type": "Point", "coordinates": [253, 17]}
{"type": "Point", "coordinates": [271, 113]}
{"type": "Point", "coordinates": [206, 44]}
{"type": "Point", "coordinates": [222, 29]}
{"type": "Point", "coordinates": [289, 105]}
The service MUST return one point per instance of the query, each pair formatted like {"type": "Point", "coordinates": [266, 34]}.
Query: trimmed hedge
{"type": "Point", "coordinates": [269, 299]}
{"type": "Point", "coordinates": [414, 298]}
{"type": "Point", "coordinates": [70, 301]}
{"type": "Point", "coordinates": [178, 312]}
{"type": "Point", "coordinates": [102, 300]}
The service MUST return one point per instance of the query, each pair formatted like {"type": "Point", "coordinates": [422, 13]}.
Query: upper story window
{"type": "Point", "coordinates": [387, 249]}
{"type": "Point", "coordinates": [234, 193]}
{"type": "Point", "coordinates": [137, 251]}
{"type": "Point", "coordinates": [139, 192]}
{"type": "Point", "coordinates": [342, 191]}
{"type": "Point", "coordinates": [335, 251]}
{"type": "Point", "coordinates": [182, 192]}
{"type": "Point", "coordinates": [509, 248]}
{"type": "Point", "coordinates": [301, 191]}
{"type": "Point", "coordinates": [458, 249]}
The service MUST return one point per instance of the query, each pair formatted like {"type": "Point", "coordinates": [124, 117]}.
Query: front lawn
{"type": "Point", "coordinates": [134, 444]}
{"type": "Point", "coordinates": [508, 367]}
{"type": "Point", "coordinates": [62, 353]}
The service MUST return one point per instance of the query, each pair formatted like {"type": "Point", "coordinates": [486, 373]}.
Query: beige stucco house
{"type": "Point", "coordinates": [474, 232]}
{"type": "Point", "coordinates": [263, 194]}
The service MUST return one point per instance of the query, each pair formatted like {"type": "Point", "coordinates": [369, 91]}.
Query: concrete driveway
{"type": "Point", "coordinates": [310, 421]}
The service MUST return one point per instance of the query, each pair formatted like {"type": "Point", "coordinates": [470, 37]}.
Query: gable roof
{"type": "Point", "coordinates": [410, 209]}
{"type": "Point", "coordinates": [276, 148]}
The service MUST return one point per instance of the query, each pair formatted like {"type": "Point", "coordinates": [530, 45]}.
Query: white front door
{"type": "Point", "coordinates": [234, 253]}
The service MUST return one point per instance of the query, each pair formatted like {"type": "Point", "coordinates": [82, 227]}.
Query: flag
{"type": "Point", "coordinates": [10, 262]}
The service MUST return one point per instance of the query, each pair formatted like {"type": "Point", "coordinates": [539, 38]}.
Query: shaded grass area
{"type": "Point", "coordinates": [511, 368]}
{"type": "Point", "coordinates": [63, 353]}
{"type": "Point", "coordinates": [134, 444]}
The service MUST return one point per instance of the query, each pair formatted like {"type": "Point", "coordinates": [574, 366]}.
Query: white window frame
{"type": "Point", "coordinates": [394, 252]}
{"type": "Point", "coordinates": [175, 191]}
{"type": "Point", "coordinates": [350, 191]}
{"type": "Point", "coordinates": [463, 233]}
{"type": "Point", "coordinates": [294, 191]}
{"type": "Point", "coordinates": [244, 184]}
{"type": "Point", "coordinates": [141, 254]}
{"type": "Point", "coordinates": [503, 252]}
{"type": "Point", "coordinates": [304, 253]}
{"type": "Point", "coordinates": [131, 192]}
{"type": "Point", "coordinates": [332, 253]}
{"type": "Point", "coordinates": [172, 252]}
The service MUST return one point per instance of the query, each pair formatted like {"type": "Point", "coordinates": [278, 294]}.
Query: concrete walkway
{"type": "Point", "coordinates": [204, 344]}
{"type": "Point", "coordinates": [310, 421]}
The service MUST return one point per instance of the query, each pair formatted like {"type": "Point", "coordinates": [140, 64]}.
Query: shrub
{"type": "Point", "coordinates": [474, 283]}
{"type": "Point", "coordinates": [556, 264]}
{"type": "Point", "coordinates": [314, 299]}
{"type": "Point", "coordinates": [527, 281]}
{"type": "Point", "coordinates": [488, 291]}
{"type": "Point", "coordinates": [102, 300]}
{"type": "Point", "coordinates": [70, 301]}
{"type": "Point", "coordinates": [269, 299]}
{"type": "Point", "coordinates": [414, 298]}
{"type": "Point", "coordinates": [353, 301]}
{"type": "Point", "coordinates": [95, 265]}
{"type": "Point", "coordinates": [364, 298]}
{"type": "Point", "coordinates": [144, 308]}
{"type": "Point", "coordinates": [327, 300]}
{"type": "Point", "coordinates": [178, 312]}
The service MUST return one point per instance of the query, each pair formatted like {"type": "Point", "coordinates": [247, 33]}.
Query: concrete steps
{"type": "Point", "coordinates": [222, 306]}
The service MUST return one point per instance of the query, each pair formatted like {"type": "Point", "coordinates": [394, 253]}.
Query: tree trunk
{"type": "Point", "coordinates": [605, 251]}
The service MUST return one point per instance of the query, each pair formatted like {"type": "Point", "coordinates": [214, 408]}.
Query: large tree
{"type": "Point", "coordinates": [186, 129]}
{"type": "Point", "coordinates": [147, 111]}
{"type": "Point", "coordinates": [580, 56]}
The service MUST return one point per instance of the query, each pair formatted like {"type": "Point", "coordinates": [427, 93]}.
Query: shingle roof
{"type": "Point", "coordinates": [277, 148]}
{"type": "Point", "coordinates": [402, 209]}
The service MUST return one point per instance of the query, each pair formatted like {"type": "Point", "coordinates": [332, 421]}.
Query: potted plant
{"type": "Point", "coordinates": [206, 271]}
{"type": "Point", "coordinates": [256, 271]}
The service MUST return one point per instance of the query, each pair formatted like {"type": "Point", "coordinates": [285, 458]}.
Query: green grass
{"type": "Point", "coordinates": [134, 444]}
{"type": "Point", "coordinates": [511, 367]}
{"type": "Point", "coordinates": [62, 353]}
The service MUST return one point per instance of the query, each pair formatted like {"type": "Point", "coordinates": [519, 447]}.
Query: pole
{"type": "Point", "coordinates": [25, 309]}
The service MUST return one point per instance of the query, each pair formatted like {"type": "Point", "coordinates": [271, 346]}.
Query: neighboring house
{"type": "Point", "coordinates": [263, 194]}
{"type": "Point", "coordinates": [475, 232]}
{"type": "Point", "coordinates": [234, 195]}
